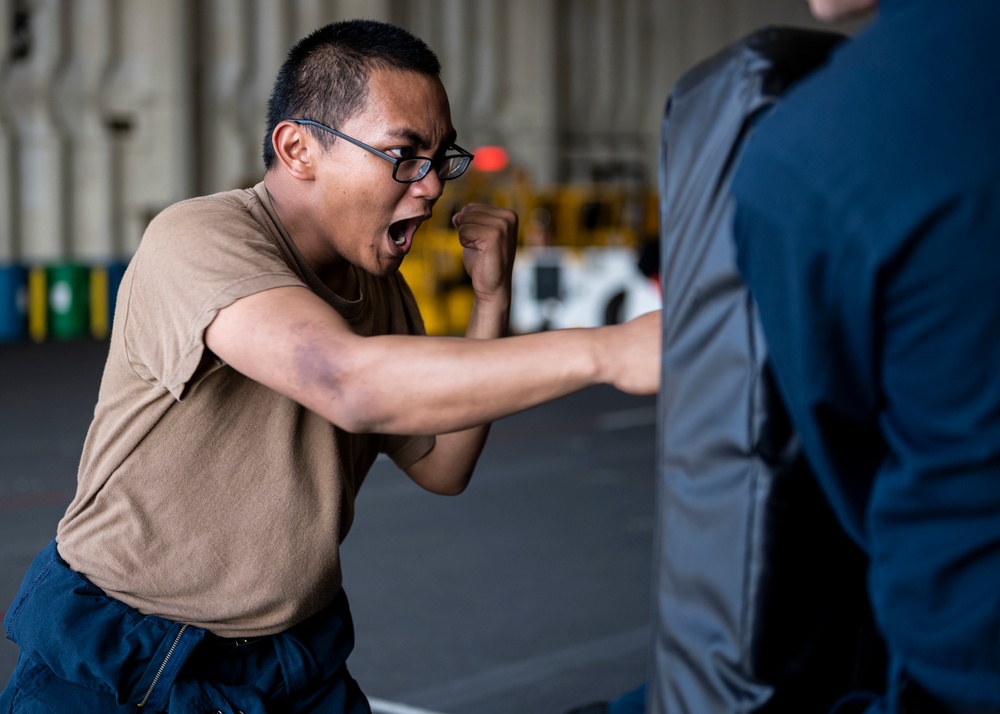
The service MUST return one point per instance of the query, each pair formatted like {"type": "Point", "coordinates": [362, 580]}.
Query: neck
{"type": "Point", "coordinates": [332, 269]}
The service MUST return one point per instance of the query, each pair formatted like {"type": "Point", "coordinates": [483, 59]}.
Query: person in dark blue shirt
{"type": "Point", "coordinates": [868, 231]}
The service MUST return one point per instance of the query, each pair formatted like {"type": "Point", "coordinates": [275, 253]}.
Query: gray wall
{"type": "Point", "coordinates": [112, 109]}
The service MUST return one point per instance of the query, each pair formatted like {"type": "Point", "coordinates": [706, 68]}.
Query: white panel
{"type": "Point", "coordinates": [309, 15]}
{"type": "Point", "coordinates": [91, 224]}
{"type": "Point", "coordinates": [148, 96]}
{"type": "Point", "coordinates": [447, 26]}
{"type": "Point", "coordinates": [712, 27]}
{"type": "Point", "coordinates": [368, 9]}
{"type": "Point", "coordinates": [577, 63]}
{"type": "Point", "coordinates": [488, 71]}
{"type": "Point", "coordinates": [434, 20]}
{"type": "Point", "coordinates": [274, 34]}
{"type": "Point", "coordinates": [606, 74]}
{"type": "Point", "coordinates": [561, 82]}
{"type": "Point", "coordinates": [8, 205]}
{"type": "Point", "coordinates": [125, 93]}
{"type": "Point", "coordinates": [227, 27]}
{"type": "Point", "coordinates": [662, 33]}
{"type": "Point", "coordinates": [629, 104]}
{"type": "Point", "coordinates": [530, 119]}
{"type": "Point", "coordinates": [40, 167]}
{"type": "Point", "coordinates": [272, 26]}
{"type": "Point", "coordinates": [631, 70]}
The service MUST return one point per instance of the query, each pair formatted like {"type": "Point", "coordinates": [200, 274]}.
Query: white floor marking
{"type": "Point", "coordinates": [380, 706]}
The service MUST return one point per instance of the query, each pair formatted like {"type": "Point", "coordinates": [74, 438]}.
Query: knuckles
{"type": "Point", "coordinates": [485, 214]}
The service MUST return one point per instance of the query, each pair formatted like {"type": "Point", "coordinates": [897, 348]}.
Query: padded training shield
{"type": "Point", "coordinates": [760, 600]}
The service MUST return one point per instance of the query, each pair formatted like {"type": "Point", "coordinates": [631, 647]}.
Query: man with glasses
{"type": "Point", "coordinates": [265, 351]}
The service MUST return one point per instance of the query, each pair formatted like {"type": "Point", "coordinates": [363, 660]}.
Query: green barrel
{"type": "Point", "coordinates": [69, 301]}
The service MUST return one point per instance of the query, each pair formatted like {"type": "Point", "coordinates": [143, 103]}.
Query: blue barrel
{"type": "Point", "coordinates": [13, 302]}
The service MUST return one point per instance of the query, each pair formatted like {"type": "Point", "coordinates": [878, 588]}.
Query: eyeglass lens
{"type": "Point", "coordinates": [450, 167]}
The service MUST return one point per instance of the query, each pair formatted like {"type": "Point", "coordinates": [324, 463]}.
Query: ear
{"type": "Point", "coordinates": [296, 149]}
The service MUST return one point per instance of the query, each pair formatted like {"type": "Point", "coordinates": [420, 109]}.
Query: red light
{"type": "Point", "coordinates": [490, 159]}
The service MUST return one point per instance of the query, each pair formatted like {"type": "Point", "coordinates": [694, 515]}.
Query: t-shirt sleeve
{"type": "Point", "coordinates": [404, 451]}
{"type": "Point", "coordinates": [195, 258]}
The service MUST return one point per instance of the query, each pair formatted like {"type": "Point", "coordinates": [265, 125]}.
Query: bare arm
{"type": "Point", "coordinates": [291, 341]}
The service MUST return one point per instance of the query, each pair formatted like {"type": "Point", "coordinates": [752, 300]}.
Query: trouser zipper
{"type": "Point", "coordinates": [163, 665]}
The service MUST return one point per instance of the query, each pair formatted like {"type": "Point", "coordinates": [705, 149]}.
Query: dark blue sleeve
{"type": "Point", "coordinates": [818, 329]}
{"type": "Point", "coordinates": [888, 354]}
{"type": "Point", "coordinates": [934, 515]}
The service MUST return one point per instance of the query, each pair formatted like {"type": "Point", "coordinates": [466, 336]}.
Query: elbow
{"type": "Point", "coordinates": [351, 416]}
{"type": "Point", "coordinates": [344, 411]}
{"type": "Point", "coordinates": [440, 482]}
{"type": "Point", "coordinates": [336, 390]}
{"type": "Point", "coordinates": [455, 488]}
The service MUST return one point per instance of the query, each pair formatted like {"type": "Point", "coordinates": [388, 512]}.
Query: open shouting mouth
{"type": "Point", "coordinates": [401, 232]}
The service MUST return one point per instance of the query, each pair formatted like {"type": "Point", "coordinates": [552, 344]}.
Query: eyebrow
{"type": "Point", "coordinates": [419, 140]}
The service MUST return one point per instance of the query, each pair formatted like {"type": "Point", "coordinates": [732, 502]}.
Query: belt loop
{"type": "Point", "coordinates": [297, 664]}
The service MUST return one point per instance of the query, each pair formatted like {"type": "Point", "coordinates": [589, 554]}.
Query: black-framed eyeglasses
{"type": "Point", "coordinates": [411, 168]}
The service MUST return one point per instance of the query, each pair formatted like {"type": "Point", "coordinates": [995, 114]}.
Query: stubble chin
{"type": "Point", "coordinates": [384, 267]}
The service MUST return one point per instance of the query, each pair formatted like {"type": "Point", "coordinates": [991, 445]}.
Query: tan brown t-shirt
{"type": "Point", "coordinates": [203, 496]}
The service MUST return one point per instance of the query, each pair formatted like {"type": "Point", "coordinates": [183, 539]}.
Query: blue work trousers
{"type": "Point", "coordinates": [84, 652]}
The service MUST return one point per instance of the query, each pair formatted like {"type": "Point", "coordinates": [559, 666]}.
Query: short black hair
{"type": "Point", "coordinates": [325, 75]}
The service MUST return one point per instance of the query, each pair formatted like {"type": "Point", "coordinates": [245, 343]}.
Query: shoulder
{"type": "Point", "coordinates": [207, 252]}
{"type": "Point", "coordinates": [899, 123]}
{"type": "Point", "coordinates": [812, 138]}
{"type": "Point", "coordinates": [202, 216]}
{"type": "Point", "coordinates": [910, 96]}
{"type": "Point", "coordinates": [209, 230]}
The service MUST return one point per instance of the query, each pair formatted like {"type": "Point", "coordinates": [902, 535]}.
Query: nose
{"type": "Point", "coordinates": [431, 186]}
